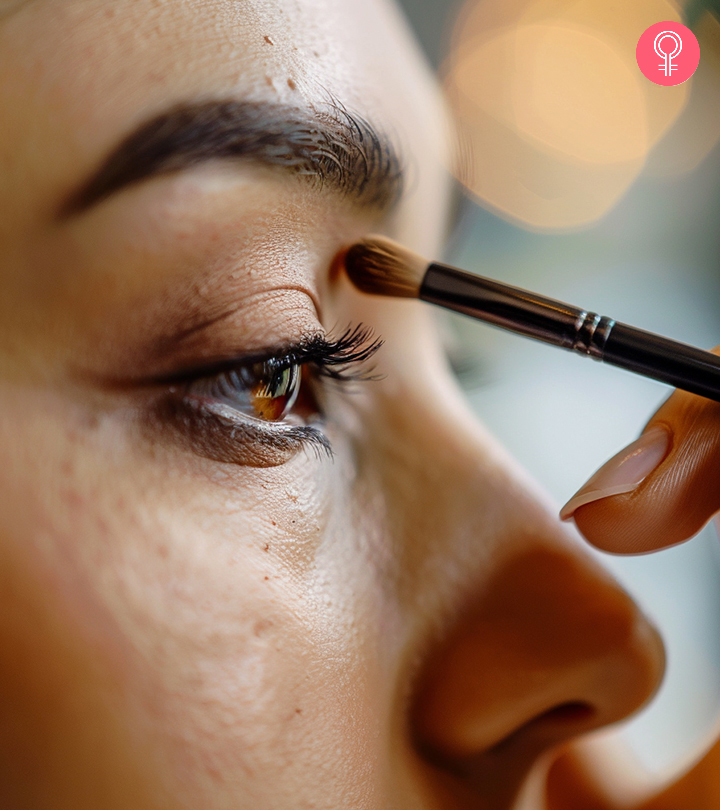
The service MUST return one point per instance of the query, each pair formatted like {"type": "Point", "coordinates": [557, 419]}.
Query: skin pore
{"type": "Point", "coordinates": [196, 610]}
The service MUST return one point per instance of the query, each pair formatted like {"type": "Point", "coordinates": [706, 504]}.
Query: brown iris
{"type": "Point", "coordinates": [264, 390]}
{"type": "Point", "coordinates": [275, 390]}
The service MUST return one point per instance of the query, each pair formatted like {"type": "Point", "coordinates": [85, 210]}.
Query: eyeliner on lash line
{"type": "Point", "coordinates": [330, 356]}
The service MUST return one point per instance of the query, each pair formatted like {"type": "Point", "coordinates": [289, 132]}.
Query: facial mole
{"type": "Point", "coordinates": [291, 84]}
{"type": "Point", "coordinates": [269, 40]}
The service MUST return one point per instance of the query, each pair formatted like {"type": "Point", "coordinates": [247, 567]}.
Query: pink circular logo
{"type": "Point", "coordinates": [668, 53]}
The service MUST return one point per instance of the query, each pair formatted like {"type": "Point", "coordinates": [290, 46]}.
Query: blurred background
{"type": "Point", "coordinates": [586, 182]}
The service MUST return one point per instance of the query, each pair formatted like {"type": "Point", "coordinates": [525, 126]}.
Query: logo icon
{"type": "Point", "coordinates": [668, 53]}
{"type": "Point", "coordinates": [668, 56]}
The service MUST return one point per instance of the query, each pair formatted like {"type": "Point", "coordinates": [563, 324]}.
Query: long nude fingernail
{"type": "Point", "coordinates": [624, 472]}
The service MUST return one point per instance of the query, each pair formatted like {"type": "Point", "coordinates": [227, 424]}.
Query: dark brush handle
{"type": "Point", "coordinates": [660, 358]}
{"type": "Point", "coordinates": [572, 328]}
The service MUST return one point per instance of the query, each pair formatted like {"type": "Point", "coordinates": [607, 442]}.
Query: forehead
{"type": "Point", "coordinates": [83, 72]}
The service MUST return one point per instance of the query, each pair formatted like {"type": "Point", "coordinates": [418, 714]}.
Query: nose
{"type": "Point", "coordinates": [539, 643]}
{"type": "Point", "coordinates": [521, 639]}
{"type": "Point", "coordinates": [549, 649]}
{"type": "Point", "coordinates": [540, 646]}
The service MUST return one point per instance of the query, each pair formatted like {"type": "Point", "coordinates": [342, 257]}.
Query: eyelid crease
{"type": "Point", "coordinates": [177, 337]}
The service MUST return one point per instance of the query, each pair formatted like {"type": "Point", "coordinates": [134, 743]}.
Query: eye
{"type": "Point", "coordinates": [266, 390]}
{"type": "Point", "coordinates": [262, 411]}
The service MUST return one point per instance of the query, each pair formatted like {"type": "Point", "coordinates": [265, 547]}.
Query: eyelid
{"type": "Point", "coordinates": [332, 356]}
{"type": "Point", "coordinates": [281, 352]}
{"type": "Point", "coordinates": [177, 338]}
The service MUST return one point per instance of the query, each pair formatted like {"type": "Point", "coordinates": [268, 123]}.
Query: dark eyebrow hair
{"type": "Point", "coordinates": [329, 146]}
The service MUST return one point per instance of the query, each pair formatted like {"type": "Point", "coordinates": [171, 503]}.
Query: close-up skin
{"type": "Point", "coordinates": [255, 550]}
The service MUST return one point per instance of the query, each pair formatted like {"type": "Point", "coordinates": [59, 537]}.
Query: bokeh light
{"type": "Point", "coordinates": [555, 120]}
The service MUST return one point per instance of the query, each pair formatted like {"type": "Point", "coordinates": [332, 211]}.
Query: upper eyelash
{"type": "Point", "coordinates": [334, 357]}
{"type": "Point", "coordinates": [330, 357]}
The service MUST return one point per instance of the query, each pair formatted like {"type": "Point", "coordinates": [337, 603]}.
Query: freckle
{"type": "Point", "coordinates": [91, 421]}
{"type": "Point", "coordinates": [267, 578]}
{"type": "Point", "coordinates": [262, 626]}
{"type": "Point", "coordinates": [266, 547]}
{"type": "Point", "coordinates": [72, 498]}
{"type": "Point", "coordinates": [268, 81]}
{"type": "Point", "coordinates": [273, 523]}
{"type": "Point", "coordinates": [214, 772]}
{"type": "Point", "coordinates": [269, 40]}
{"type": "Point", "coordinates": [291, 84]}
{"type": "Point", "coordinates": [298, 711]}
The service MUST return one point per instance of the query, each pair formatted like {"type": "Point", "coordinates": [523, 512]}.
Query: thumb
{"type": "Point", "coordinates": [660, 490]}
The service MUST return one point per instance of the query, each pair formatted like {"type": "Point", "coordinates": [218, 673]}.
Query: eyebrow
{"type": "Point", "coordinates": [328, 146]}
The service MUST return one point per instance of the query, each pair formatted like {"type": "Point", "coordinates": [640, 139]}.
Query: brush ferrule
{"type": "Point", "coordinates": [591, 334]}
{"type": "Point", "coordinates": [518, 310]}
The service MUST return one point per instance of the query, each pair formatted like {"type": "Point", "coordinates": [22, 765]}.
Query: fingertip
{"type": "Point", "coordinates": [585, 496]}
{"type": "Point", "coordinates": [625, 525]}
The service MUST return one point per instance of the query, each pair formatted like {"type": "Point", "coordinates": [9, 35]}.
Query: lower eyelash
{"type": "Point", "coordinates": [211, 429]}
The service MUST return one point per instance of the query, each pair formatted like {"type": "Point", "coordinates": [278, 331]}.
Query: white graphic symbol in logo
{"type": "Point", "coordinates": [667, 66]}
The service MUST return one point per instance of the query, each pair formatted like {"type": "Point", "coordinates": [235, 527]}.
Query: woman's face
{"type": "Point", "coordinates": [212, 597]}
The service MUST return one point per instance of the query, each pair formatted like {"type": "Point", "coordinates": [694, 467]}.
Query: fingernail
{"type": "Point", "coordinates": [624, 472]}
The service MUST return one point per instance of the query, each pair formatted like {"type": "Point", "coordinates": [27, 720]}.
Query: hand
{"type": "Point", "coordinates": [660, 490]}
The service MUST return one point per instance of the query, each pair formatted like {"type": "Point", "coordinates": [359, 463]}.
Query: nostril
{"type": "Point", "coordinates": [555, 725]}
{"type": "Point", "coordinates": [572, 712]}
{"type": "Point", "coordinates": [497, 771]}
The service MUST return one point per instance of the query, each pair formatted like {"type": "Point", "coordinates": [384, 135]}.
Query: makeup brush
{"type": "Point", "coordinates": [379, 266]}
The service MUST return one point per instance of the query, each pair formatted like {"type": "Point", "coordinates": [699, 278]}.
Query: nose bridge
{"type": "Point", "coordinates": [533, 632]}
{"type": "Point", "coordinates": [455, 500]}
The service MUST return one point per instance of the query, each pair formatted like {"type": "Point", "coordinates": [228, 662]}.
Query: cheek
{"type": "Point", "coordinates": [204, 598]}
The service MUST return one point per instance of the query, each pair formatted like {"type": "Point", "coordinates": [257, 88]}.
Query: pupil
{"type": "Point", "coordinates": [275, 390]}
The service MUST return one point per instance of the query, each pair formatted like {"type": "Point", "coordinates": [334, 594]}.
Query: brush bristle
{"type": "Point", "coordinates": [379, 266]}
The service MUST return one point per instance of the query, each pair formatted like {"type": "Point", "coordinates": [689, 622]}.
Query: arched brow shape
{"type": "Point", "coordinates": [331, 147]}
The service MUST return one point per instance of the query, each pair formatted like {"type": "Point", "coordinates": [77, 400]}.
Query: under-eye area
{"type": "Point", "coordinates": [260, 410]}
